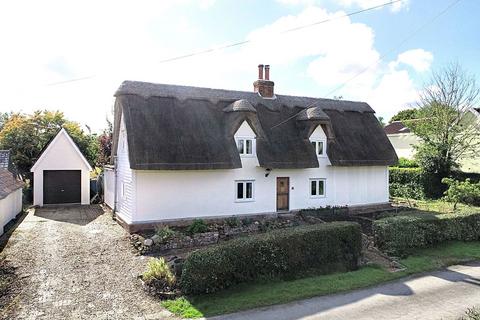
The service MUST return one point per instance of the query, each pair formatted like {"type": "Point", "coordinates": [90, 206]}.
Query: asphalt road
{"type": "Point", "coordinates": [437, 295]}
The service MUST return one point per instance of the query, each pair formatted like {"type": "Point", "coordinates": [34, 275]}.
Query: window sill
{"type": "Point", "coordinates": [244, 200]}
{"type": "Point", "coordinates": [318, 197]}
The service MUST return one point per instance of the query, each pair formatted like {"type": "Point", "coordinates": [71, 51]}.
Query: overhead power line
{"type": "Point", "coordinates": [408, 37]}
{"type": "Point", "coordinates": [241, 43]}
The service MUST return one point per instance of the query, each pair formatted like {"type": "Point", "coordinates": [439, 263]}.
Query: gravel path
{"type": "Point", "coordinates": [75, 263]}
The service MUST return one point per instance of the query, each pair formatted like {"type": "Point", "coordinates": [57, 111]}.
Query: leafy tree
{"type": "Point", "coordinates": [445, 125]}
{"type": "Point", "coordinates": [4, 116]}
{"type": "Point", "coordinates": [461, 191]}
{"type": "Point", "coordinates": [407, 114]}
{"type": "Point", "coordinates": [382, 121]}
{"type": "Point", "coordinates": [105, 144]}
{"type": "Point", "coordinates": [26, 135]}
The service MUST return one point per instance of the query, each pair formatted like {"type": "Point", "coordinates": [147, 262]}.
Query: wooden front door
{"type": "Point", "coordinates": [283, 188]}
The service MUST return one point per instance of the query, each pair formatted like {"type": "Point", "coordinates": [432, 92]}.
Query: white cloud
{"type": "Point", "coordinates": [418, 59]}
{"type": "Point", "coordinates": [88, 39]}
{"type": "Point", "coordinates": [364, 4]}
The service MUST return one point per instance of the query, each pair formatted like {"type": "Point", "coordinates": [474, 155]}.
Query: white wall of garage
{"type": "Point", "coordinates": [61, 154]}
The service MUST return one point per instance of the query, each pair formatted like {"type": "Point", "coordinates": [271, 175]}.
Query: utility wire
{"type": "Point", "coordinates": [71, 80]}
{"type": "Point", "coordinates": [411, 35]}
{"type": "Point", "coordinates": [241, 43]}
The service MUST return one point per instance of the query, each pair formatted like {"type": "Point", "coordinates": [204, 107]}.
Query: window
{"type": "Point", "coordinates": [244, 190]}
{"type": "Point", "coordinates": [317, 188]}
{"type": "Point", "coordinates": [123, 190]}
{"type": "Point", "coordinates": [319, 146]}
{"type": "Point", "coordinates": [245, 146]}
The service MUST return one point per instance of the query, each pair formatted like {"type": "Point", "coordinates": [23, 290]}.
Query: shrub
{"type": "Point", "coordinates": [462, 191]}
{"type": "Point", "coordinates": [400, 234]}
{"type": "Point", "coordinates": [159, 274]}
{"type": "Point", "coordinates": [198, 226]}
{"type": "Point", "coordinates": [286, 253]}
{"type": "Point", "coordinates": [232, 222]}
{"type": "Point", "coordinates": [406, 163]}
{"type": "Point", "coordinates": [165, 233]}
{"type": "Point", "coordinates": [407, 183]}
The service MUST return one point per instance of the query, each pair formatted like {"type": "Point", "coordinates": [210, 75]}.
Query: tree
{"type": "Point", "coordinates": [382, 121]}
{"type": "Point", "coordinates": [105, 145]}
{"type": "Point", "coordinates": [26, 135]}
{"type": "Point", "coordinates": [4, 116]}
{"type": "Point", "coordinates": [407, 114]}
{"type": "Point", "coordinates": [445, 125]}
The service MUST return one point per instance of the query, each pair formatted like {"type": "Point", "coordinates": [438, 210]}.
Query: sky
{"type": "Point", "coordinates": [73, 55]}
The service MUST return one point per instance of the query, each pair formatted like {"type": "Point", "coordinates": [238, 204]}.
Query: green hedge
{"type": "Point", "coordinates": [414, 183]}
{"type": "Point", "coordinates": [407, 182]}
{"type": "Point", "coordinates": [400, 234]}
{"type": "Point", "coordinates": [285, 253]}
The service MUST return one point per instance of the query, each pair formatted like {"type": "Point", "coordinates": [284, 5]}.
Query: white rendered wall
{"type": "Point", "coordinates": [61, 155]}
{"type": "Point", "coordinates": [126, 181]}
{"type": "Point", "coordinates": [403, 144]}
{"type": "Point", "coordinates": [174, 194]}
{"type": "Point", "coordinates": [10, 206]}
{"type": "Point", "coordinates": [109, 187]}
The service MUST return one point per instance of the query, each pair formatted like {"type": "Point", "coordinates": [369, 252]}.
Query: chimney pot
{"type": "Point", "coordinates": [260, 71]}
{"type": "Point", "coordinates": [264, 87]}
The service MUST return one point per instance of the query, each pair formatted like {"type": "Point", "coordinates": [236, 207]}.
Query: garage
{"type": "Point", "coordinates": [61, 174]}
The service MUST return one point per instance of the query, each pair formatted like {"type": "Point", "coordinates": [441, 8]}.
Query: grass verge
{"type": "Point", "coordinates": [248, 296]}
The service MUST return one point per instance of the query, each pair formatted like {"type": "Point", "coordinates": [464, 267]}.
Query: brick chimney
{"type": "Point", "coordinates": [264, 86]}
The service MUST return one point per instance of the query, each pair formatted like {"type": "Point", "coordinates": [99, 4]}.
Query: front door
{"type": "Point", "coordinates": [283, 188]}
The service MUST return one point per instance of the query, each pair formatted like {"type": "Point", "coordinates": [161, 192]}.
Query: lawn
{"type": "Point", "coordinates": [248, 296]}
{"type": "Point", "coordinates": [436, 206]}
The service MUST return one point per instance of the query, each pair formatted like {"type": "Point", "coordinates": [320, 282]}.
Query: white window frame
{"type": "Point", "coordinates": [317, 184]}
{"type": "Point", "coordinates": [324, 149]}
{"type": "Point", "coordinates": [253, 141]}
{"type": "Point", "coordinates": [244, 182]}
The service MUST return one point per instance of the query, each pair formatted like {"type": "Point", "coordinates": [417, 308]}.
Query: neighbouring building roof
{"type": "Point", "coordinates": [51, 142]}
{"type": "Point", "coordinates": [396, 127]}
{"type": "Point", "coordinates": [180, 127]}
{"type": "Point", "coordinates": [9, 180]}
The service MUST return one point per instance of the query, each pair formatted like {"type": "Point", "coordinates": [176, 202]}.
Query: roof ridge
{"type": "Point", "coordinates": [125, 82]}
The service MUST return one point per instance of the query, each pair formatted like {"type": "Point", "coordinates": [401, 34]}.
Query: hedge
{"type": "Point", "coordinates": [406, 180]}
{"type": "Point", "coordinates": [283, 254]}
{"type": "Point", "coordinates": [400, 234]}
{"type": "Point", "coordinates": [414, 183]}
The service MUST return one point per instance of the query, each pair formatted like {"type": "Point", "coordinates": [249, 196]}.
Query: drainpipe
{"type": "Point", "coordinates": [115, 185]}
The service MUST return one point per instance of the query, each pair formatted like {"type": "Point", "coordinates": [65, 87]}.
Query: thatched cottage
{"type": "Point", "coordinates": [184, 152]}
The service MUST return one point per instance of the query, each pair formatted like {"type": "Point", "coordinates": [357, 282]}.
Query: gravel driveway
{"type": "Point", "coordinates": [75, 263]}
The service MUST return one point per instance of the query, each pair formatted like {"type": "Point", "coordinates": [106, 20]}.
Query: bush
{"type": "Point", "coordinates": [414, 183]}
{"type": "Point", "coordinates": [283, 253]}
{"type": "Point", "coordinates": [165, 233]}
{"type": "Point", "coordinates": [407, 183]}
{"type": "Point", "coordinates": [406, 163]}
{"type": "Point", "coordinates": [198, 226]}
{"type": "Point", "coordinates": [159, 274]}
{"type": "Point", "coordinates": [462, 191]}
{"type": "Point", "coordinates": [400, 234]}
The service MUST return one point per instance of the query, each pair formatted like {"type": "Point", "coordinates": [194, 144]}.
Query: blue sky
{"type": "Point", "coordinates": [107, 42]}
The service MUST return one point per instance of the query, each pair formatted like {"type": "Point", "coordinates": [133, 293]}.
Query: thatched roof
{"type": "Point", "coordinates": [179, 127]}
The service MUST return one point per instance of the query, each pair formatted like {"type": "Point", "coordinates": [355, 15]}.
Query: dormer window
{"type": "Point", "coordinates": [320, 147]}
{"type": "Point", "coordinates": [245, 146]}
